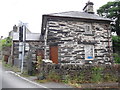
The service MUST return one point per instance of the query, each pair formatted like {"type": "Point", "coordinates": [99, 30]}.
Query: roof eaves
{"type": "Point", "coordinates": [106, 19]}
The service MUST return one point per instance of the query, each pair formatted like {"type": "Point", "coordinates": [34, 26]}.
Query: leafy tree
{"type": "Point", "coordinates": [116, 48]}
{"type": "Point", "coordinates": [116, 44]}
{"type": "Point", "coordinates": [7, 42]}
{"type": "Point", "coordinates": [112, 10]}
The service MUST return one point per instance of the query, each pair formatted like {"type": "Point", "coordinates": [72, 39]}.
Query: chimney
{"type": "Point", "coordinates": [89, 7]}
{"type": "Point", "coordinates": [15, 28]}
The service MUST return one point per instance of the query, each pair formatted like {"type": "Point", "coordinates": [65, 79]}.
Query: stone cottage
{"type": "Point", "coordinates": [77, 37]}
{"type": "Point", "coordinates": [32, 48]}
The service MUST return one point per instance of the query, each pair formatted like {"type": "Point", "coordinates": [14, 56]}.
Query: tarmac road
{"type": "Point", "coordinates": [10, 80]}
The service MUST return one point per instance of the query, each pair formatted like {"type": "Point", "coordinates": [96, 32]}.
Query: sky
{"type": "Point", "coordinates": [31, 11]}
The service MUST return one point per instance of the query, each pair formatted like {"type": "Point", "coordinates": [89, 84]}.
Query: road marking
{"type": "Point", "coordinates": [27, 79]}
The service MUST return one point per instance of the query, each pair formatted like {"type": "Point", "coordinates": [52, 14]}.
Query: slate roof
{"type": "Point", "coordinates": [29, 37]}
{"type": "Point", "coordinates": [78, 14]}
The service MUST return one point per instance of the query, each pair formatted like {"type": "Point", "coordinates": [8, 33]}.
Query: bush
{"type": "Point", "coordinates": [80, 78]}
{"type": "Point", "coordinates": [66, 78]}
{"type": "Point", "coordinates": [116, 58]}
{"type": "Point", "coordinates": [109, 78]}
{"type": "Point", "coordinates": [7, 42]}
{"type": "Point", "coordinates": [116, 44]}
{"type": "Point", "coordinates": [53, 76]}
{"type": "Point", "coordinates": [116, 48]}
{"type": "Point", "coordinates": [96, 74]}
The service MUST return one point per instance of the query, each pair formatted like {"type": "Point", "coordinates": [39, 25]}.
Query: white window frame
{"type": "Point", "coordinates": [86, 48]}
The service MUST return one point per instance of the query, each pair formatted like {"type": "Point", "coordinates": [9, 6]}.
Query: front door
{"type": "Point", "coordinates": [54, 54]}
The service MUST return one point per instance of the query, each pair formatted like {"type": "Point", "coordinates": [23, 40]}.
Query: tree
{"type": "Point", "coordinates": [116, 48]}
{"type": "Point", "coordinates": [116, 44]}
{"type": "Point", "coordinates": [7, 42]}
{"type": "Point", "coordinates": [112, 10]}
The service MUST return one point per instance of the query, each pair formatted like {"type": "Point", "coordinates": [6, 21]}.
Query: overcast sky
{"type": "Point", "coordinates": [30, 11]}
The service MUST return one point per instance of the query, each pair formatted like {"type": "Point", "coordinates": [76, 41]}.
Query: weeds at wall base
{"type": "Point", "coordinates": [10, 67]}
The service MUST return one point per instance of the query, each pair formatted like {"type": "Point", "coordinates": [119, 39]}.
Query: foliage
{"type": "Point", "coordinates": [7, 42]}
{"type": "Point", "coordinates": [53, 76]}
{"type": "Point", "coordinates": [80, 78]}
{"type": "Point", "coordinates": [76, 79]}
{"type": "Point", "coordinates": [112, 10]}
{"type": "Point", "coordinates": [39, 62]}
{"type": "Point", "coordinates": [116, 44]}
{"type": "Point", "coordinates": [96, 74]}
{"type": "Point", "coordinates": [25, 74]}
{"type": "Point", "coordinates": [66, 79]}
{"type": "Point", "coordinates": [116, 58]}
{"type": "Point", "coordinates": [42, 81]}
{"type": "Point", "coordinates": [10, 67]}
{"type": "Point", "coordinates": [116, 48]}
{"type": "Point", "coordinates": [109, 78]}
{"type": "Point", "coordinates": [116, 38]}
{"type": "Point", "coordinates": [40, 68]}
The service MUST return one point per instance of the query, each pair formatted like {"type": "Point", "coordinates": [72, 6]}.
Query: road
{"type": "Point", "coordinates": [10, 80]}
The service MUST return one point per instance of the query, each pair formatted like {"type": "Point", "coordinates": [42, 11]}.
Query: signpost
{"type": "Point", "coordinates": [22, 38]}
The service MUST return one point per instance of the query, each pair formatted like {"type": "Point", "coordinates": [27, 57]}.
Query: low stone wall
{"type": "Point", "coordinates": [87, 71]}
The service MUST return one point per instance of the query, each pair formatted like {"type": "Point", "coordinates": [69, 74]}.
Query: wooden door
{"type": "Point", "coordinates": [54, 54]}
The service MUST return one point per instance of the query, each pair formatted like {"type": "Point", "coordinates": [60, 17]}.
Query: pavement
{"type": "Point", "coordinates": [114, 85]}
{"type": "Point", "coordinates": [102, 85]}
{"type": "Point", "coordinates": [49, 84]}
{"type": "Point", "coordinates": [28, 81]}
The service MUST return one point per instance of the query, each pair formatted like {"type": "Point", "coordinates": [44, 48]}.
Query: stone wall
{"type": "Point", "coordinates": [6, 52]}
{"type": "Point", "coordinates": [71, 38]}
{"type": "Point", "coordinates": [105, 72]}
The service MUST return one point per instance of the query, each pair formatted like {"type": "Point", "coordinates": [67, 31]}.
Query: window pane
{"type": "Point", "coordinates": [89, 52]}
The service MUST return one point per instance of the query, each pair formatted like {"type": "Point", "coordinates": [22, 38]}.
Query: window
{"type": "Point", "coordinates": [89, 52]}
{"type": "Point", "coordinates": [88, 29]}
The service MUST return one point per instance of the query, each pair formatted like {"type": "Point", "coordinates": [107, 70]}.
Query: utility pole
{"type": "Point", "coordinates": [22, 38]}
